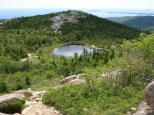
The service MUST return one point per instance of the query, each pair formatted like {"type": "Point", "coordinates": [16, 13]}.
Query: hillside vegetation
{"type": "Point", "coordinates": [22, 35]}
{"type": "Point", "coordinates": [113, 95]}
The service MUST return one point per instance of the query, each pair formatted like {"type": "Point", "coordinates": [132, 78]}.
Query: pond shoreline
{"type": "Point", "coordinates": [68, 50]}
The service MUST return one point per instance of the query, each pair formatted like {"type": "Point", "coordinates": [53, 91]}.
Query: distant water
{"type": "Point", "coordinates": [70, 50]}
{"type": "Point", "coordinates": [121, 12]}
{"type": "Point", "coordinates": [13, 13]}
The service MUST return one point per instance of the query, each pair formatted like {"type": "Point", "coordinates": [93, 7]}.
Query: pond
{"type": "Point", "coordinates": [70, 50]}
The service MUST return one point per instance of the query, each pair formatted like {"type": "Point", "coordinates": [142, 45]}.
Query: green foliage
{"type": "Point", "coordinates": [74, 100]}
{"type": "Point", "coordinates": [17, 43]}
{"type": "Point", "coordinates": [50, 75]}
{"type": "Point", "coordinates": [93, 28]}
{"type": "Point", "coordinates": [88, 27]}
{"type": "Point", "coordinates": [112, 95]}
{"type": "Point", "coordinates": [3, 87]}
{"type": "Point", "coordinates": [23, 35]}
{"type": "Point", "coordinates": [27, 81]}
{"type": "Point", "coordinates": [12, 106]}
{"type": "Point", "coordinates": [36, 22]}
{"type": "Point", "coordinates": [137, 62]}
{"type": "Point", "coordinates": [8, 65]}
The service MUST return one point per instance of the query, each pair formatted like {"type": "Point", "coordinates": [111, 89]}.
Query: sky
{"type": "Point", "coordinates": [77, 4]}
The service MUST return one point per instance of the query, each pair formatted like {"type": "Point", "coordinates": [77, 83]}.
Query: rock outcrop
{"type": "Point", "coordinates": [39, 109]}
{"type": "Point", "coordinates": [7, 97]}
{"type": "Point", "coordinates": [146, 107]}
{"type": "Point", "coordinates": [73, 79]}
{"type": "Point", "coordinates": [71, 17]}
{"type": "Point", "coordinates": [33, 104]}
{"type": "Point", "coordinates": [142, 109]}
{"type": "Point", "coordinates": [149, 95]}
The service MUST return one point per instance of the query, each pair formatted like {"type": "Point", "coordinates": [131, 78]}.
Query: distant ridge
{"type": "Point", "coordinates": [145, 23]}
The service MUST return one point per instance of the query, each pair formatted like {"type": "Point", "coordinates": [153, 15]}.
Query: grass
{"type": "Point", "coordinates": [103, 100]}
{"type": "Point", "coordinates": [46, 84]}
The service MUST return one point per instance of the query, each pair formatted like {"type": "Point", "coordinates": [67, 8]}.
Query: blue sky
{"type": "Point", "coordinates": [77, 4]}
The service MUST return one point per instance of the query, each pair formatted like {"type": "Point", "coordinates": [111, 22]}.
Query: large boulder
{"type": "Point", "coordinates": [143, 109]}
{"type": "Point", "coordinates": [24, 93]}
{"type": "Point", "coordinates": [149, 95]}
{"type": "Point", "coordinates": [68, 79]}
{"type": "Point", "coordinates": [7, 97]}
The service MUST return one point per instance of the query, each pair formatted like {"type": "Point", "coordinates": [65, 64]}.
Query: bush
{"type": "Point", "coordinates": [50, 75]}
{"type": "Point", "coordinates": [136, 65]}
{"type": "Point", "coordinates": [12, 106]}
{"type": "Point", "coordinates": [3, 87]}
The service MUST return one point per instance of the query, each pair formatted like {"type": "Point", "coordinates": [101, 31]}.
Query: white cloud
{"type": "Point", "coordinates": [146, 4]}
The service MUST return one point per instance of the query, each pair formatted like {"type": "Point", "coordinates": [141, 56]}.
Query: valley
{"type": "Point", "coordinates": [115, 62]}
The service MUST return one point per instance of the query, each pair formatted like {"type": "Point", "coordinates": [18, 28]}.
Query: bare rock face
{"type": "Point", "coordinates": [149, 95]}
{"type": "Point", "coordinates": [71, 17]}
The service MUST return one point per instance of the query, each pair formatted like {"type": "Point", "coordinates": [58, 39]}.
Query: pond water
{"type": "Point", "coordinates": [70, 50]}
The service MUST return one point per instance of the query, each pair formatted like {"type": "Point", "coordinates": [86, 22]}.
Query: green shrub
{"type": "Point", "coordinates": [136, 65]}
{"type": "Point", "coordinates": [12, 106]}
{"type": "Point", "coordinates": [3, 87]}
{"type": "Point", "coordinates": [50, 75]}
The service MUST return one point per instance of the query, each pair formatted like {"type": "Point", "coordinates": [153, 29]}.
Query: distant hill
{"type": "Point", "coordinates": [75, 25]}
{"type": "Point", "coordinates": [2, 21]}
{"type": "Point", "coordinates": [145, 23]}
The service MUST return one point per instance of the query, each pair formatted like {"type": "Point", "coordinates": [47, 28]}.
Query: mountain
{"type": "Point", "coordinates": [28, 34]}
{"type": "Point", "coordinates": [75, 25]}
{"type": "Point", "coordinates": [145, 23]}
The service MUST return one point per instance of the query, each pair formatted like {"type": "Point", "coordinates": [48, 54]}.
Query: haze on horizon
{"type": "Point", "coordinates": [77, 4]}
